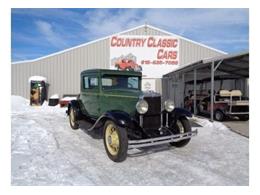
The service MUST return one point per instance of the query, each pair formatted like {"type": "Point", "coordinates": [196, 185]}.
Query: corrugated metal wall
{"type": "Point", "coordinates": [62, 70]}
{"type": "Point", "coordinates": [172, 88]}
{"type": "Point", "coordinates": [190, 52]}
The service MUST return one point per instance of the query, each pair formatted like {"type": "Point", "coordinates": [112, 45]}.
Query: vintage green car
{"type": "Point", "coordinates": [113, 103]}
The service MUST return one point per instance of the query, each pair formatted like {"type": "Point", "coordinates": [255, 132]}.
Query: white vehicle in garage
{"type": "Point", "coordinates": [226, 104]}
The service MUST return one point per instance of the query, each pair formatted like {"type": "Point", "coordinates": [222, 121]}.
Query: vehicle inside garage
{"type": "Point", "coordinates": [218, 86]}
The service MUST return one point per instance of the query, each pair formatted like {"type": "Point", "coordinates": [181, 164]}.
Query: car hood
{"type": "Point", "coordinates": [149, 94]}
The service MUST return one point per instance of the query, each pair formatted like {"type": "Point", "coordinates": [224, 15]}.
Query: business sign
{"type": "Point", "coordinates": [153, 55]}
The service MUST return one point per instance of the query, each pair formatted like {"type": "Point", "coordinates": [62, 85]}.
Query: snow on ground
{"type": "Point", "coordinates": [37, 78]}
{"type": "Point", "coordinates": [46, 151]}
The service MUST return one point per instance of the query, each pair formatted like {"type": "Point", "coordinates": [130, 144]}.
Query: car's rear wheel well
{"type": "Point", "coordinates": [75, 105]}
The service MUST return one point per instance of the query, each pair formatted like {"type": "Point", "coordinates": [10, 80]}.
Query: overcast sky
{"type": "Point", "coordinates": [38, 32]}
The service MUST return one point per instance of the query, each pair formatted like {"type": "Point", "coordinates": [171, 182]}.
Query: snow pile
{"type": "Point", "coordinates": [55, 96]}
{"type": "Point", "coordinates": [46, 151]}
{"type": "Point", "coordinates": [37, 78]}
{"type": "Point", "coordinates": [216, 126]}
{"type": "Point", "coordinates": [19, 104]}
{"type": "Point", "coordinates": [68, 98]}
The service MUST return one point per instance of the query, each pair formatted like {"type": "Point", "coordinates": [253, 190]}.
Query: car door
{"type": "Point", "coordinates": [90, 94]}
{"type": "Point", "coordinates": [113, 97]}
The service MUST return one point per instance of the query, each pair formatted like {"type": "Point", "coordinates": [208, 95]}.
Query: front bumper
{"type": "Point", "coordinates": [237, 113]}
{"type": "Point", "coordinates": [160, 140]}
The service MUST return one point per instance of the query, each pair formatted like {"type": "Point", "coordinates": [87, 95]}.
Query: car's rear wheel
{"type": "Point", "coordinates": [115, 141]}
{"type": "Point", "coordinates": [182, 125]}
{"type": "Point", "coordinates": [72, 118]}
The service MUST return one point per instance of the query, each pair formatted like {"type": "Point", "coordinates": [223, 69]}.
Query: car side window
{"type": "Point", "coordinates": [133, 82]}
{"type": "Point", "coordinates": [90, 82]}
{"type": "Point", "coordinates": [106, 82]}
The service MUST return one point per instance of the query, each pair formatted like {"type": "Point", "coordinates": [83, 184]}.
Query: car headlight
{"type": "Point", "coordinates": [141, 106]}
{"type": "Point", "coordinates": [169, 105]}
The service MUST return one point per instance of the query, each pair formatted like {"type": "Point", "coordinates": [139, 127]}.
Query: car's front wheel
{"type": "Point", "coordinates": [182, 125]}
{"type": "Point", "coordinates": [115, 141]}
{"type": "Point", "coordinates": [219, 115]}
{"type": "Point", "coordinates": [72, 118]}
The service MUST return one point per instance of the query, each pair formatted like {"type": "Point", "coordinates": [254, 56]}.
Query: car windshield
{"type": "Point", "coordinates": [120, 82]}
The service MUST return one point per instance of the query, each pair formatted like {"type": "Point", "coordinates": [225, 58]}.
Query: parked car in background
{"type": "Point", "coordinates": [226, 104]}
{"type": "Point", "coordinates": [127, 118]}
{"type": "Point", "coordinates": [189, 99]}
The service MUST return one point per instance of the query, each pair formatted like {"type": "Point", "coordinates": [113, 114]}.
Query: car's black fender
{"type": "Point", "coordinates": [175, 115]}
{"type": "Point", "coordinates": [180, 112]}
{"type": "Point", "coordinates": [75, 104]}
{"type": "Point", "coordinates": [121, 118]}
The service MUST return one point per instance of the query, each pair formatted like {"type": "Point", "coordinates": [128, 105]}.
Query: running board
{"type": "Point", "coordinates": [160, 140]}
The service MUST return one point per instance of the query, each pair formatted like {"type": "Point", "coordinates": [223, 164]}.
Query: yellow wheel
{"type": "Point", "coordinates": [112, 140]}
{"type": "Point", "coordinates": [115, 141]}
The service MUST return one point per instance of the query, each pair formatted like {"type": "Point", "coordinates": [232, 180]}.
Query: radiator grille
{"type": "Point", "coordinates": [154, 105]}
{"type": "Point", "coordinates": [152, 119]}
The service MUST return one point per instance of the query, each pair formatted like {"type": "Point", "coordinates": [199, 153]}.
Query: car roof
{"type": "Point", "coordinates": [110, 71]}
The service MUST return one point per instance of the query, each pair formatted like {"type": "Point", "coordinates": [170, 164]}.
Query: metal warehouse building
{"type": "Point", "coordinates": [62, 69]}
